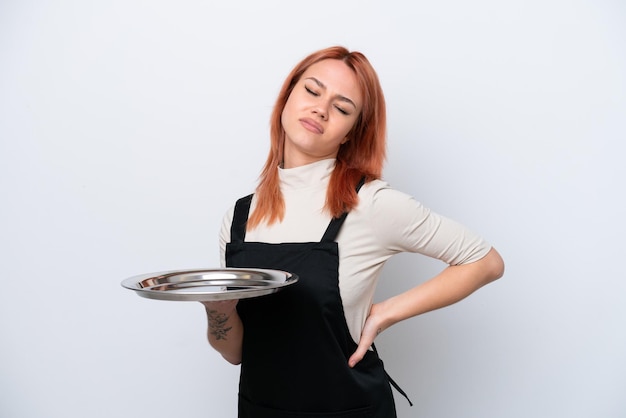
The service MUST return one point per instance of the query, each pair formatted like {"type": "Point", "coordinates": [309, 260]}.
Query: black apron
{"type": "Point", "coordinates": [296, 342]}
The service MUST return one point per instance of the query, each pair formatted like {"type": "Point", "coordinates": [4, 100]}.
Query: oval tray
{"type": "Point", "coordinates": [210, 284]}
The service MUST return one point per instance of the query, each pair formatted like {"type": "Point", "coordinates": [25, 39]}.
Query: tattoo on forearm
{"type": "Point", "coordinates": [217, 324]}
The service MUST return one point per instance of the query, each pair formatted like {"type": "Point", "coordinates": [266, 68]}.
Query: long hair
{"type": "Point", "coordinates": [362, 156]}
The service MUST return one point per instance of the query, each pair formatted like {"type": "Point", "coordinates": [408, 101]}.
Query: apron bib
{"type": "Point", "coordinates": [296, 342]}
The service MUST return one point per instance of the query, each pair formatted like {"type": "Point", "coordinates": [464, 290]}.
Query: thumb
{"type": "Point", "coordinates": [365, 343]}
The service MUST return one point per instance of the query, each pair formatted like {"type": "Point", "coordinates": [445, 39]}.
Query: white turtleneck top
{"type": "Point", "coordinates": [385, 222]}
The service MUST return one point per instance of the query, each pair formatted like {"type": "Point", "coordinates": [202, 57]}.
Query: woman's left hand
{"type": "Point", "coordinates": [374, 325]}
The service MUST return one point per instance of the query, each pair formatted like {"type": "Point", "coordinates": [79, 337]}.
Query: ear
{"type": "Point", "coordinates": [346, 139]}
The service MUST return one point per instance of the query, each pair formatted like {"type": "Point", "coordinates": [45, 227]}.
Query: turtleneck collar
{"type": "Point", "coordinates": [309, 175]}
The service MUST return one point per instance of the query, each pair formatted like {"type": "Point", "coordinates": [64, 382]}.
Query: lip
{"type": "Point", "coordinates": [310, 125]}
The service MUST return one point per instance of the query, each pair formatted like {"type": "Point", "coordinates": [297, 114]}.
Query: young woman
{"type": "Point", "coordinates": [322, 212]}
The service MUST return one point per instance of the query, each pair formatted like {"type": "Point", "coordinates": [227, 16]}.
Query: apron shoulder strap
{"type": "Point", "coordinates": [240, 219]}
{"type": "Point", "coordinates": [335, 224]}
{"type": "Point", "coordinates": [242, 210]}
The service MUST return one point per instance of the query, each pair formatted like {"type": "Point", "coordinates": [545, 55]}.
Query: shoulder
{"type": "Point", "coordinates": [379, 197]}
{"type": "Point", "coordinates": [388, 216]}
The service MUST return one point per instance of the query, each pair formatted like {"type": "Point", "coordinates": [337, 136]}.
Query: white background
{"type": "Point", "coordinates": [128, 127]}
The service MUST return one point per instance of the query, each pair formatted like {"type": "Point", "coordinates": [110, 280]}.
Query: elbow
{"type": "Point", "coordinates": [231, 354]}
{"type": "Point", "coordinates": [494, 266]}
{"type": "Point", "coordinates": [235, 361]}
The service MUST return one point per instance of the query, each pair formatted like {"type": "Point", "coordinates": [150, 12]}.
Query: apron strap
{"type": "Point", "coordinates": [242, 210]}
{"type": "Point", "coordinates": [393, 382]}
{"type": "Point", "coordinates": [335, 224]}
{"type": "Point", "coordinates": [240, 219]}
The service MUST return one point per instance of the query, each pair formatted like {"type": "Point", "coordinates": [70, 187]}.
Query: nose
{"type": "Point", "coordinates": [320, 112]}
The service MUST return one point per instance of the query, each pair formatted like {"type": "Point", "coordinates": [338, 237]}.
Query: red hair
{"type": "Point", "coordinates": [362, 156]}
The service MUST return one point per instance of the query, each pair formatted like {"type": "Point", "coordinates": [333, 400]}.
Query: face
{"type": "Point", "coordinates": [320, 111]}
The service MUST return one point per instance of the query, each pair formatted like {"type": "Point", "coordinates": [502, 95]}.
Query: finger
{"type": "Point", "coordinates": [364, 344]}
{"type": "Point", "coordinates": [356, 357]}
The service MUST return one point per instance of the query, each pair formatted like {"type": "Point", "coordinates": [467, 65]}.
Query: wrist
{"type": "Point", "coordinates": [385, 315]}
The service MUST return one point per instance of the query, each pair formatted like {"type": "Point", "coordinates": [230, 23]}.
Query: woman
{"type": "Point", "coordinates": [321, 211]}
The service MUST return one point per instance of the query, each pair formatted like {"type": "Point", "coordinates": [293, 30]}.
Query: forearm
{"type": "Point", "coordinates": [224, 331]}
{"type": "Point", "coordinates": [450, 286]}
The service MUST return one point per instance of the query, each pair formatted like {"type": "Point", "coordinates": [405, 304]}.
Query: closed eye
{"type": "Point", "coordinates": [314, 93]}
{"type": "Point", "coordinates": [340, 109]}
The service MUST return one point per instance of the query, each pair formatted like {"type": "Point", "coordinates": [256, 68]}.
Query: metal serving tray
{"type": "Point", "coordinates": [209, 285]}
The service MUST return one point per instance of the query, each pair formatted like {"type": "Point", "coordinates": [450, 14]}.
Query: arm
{"type": "Point", "coordinates": [450, 286]}
{"type": "Point", "coordinates": [225, 330]}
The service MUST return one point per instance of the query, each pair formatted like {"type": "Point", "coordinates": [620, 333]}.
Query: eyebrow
{"type": "Point", "coordinates": [338, 96]}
